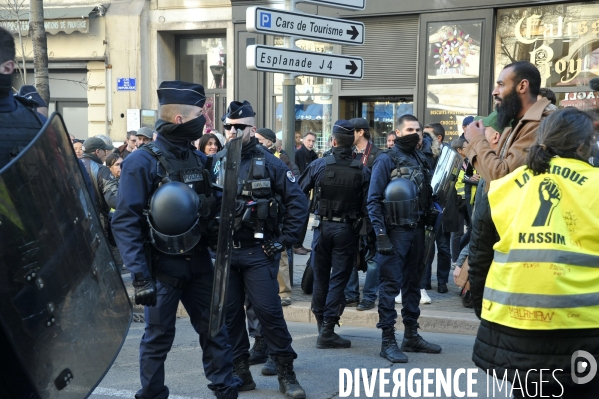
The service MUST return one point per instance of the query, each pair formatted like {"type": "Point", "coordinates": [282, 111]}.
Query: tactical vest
{"type": "Point", "coordinates": [417, 174]}
{"type": "Point", "coordinates": [260, 213]}
{"type": "Point", "coordinates": [545, 273]}
{"type": "Point", "coordinates": [339, 192]}
{"type": "Point", "coordinates": [190, 171]}
{"type": "Point", "coordinates": [18, 129]}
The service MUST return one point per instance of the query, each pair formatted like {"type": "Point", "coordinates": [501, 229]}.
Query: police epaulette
{"type": "Point", "coordinates": [152, 149]}
{"type": "Point", "coordinates": [31, 104]}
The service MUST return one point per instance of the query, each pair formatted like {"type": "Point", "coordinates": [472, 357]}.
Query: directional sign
{"type": "Point", "coordinates": [349, 4]}
{"type": "Point", "coordinates": [283, 60]}
{"type": "Point", "coordinates": [277, 22]}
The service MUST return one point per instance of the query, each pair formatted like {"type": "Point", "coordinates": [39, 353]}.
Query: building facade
{"type": "Point", "coordinates": [106, 61]}
{"type": "Point", "coordinates": [435, 59]}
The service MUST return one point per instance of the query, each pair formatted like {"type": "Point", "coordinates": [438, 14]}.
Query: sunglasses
{"type": "Point", "coordinates": [237, 126]}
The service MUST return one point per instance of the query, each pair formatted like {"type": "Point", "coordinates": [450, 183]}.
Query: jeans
{"type": "Point", "coordinates": [443, 260]}
{"type": "Point", "coordinates": [371, 283]}
{"type": "Point", "coordinates": [456, 237]}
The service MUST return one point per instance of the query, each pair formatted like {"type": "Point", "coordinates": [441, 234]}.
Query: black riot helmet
{"type": "Point", "coordinates": [174, 218]}
{"type": "Point", "coordinates": [401, 202]}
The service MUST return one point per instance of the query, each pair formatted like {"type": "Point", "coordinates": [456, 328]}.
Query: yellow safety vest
{"type": "Point", "coordinates": [459, 184]}
{"type": "Point", "coordinates": [545, 271]}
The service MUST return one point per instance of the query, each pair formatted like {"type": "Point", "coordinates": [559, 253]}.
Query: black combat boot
{"type": "Point", "coordinates": [258, 352]}
{"type": "Point", "coordinates": [241, 369]}
{"type": "Point", "coordinates": [318, 324]}
{"type": "Point", "coordinates": [327, 339]}
{"type": "Point", "coordinates": [389, 349]}
{"type": "Point", "coordinates": [270, 367]}
{"type": "Point", "coordinates": [413, 342]}
{"type": "Point", "coordinates": [287, 381]}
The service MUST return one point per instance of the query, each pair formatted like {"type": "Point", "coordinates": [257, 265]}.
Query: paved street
{"type": "Point", "coordinates": [317, 369]}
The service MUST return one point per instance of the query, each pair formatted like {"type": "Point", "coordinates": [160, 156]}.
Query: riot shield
{"type": "Point", "coordinates": [446, 173]}
{"type": "Point", "coordinates": [444, 178]}
{"type": "Point", "coordinates": [224, 248]}
{"type": "Point", "coordinates": [64, 310]}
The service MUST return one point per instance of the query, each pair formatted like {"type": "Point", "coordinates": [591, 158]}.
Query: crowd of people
{"type": "Point", "coordinates": [515, 213]}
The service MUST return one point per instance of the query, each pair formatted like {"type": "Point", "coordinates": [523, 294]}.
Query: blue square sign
{"type": "Point", "coordinates": [265, 19]}
{"type": "Point", "coordinates": [126, 84]}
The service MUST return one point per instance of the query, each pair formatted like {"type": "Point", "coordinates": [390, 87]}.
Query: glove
{"type": "Point", "coordinates": [271, 248]}
{"type": "Point", "coordinates": [383, 245]}
{"type": "Point", "coordinates": [145, 292]}
{"type": "Point", "coordinates": [212, 233]}
{"type": "Point", "coordinates": [430, 219]}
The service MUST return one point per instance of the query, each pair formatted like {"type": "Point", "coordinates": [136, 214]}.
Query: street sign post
{"type": "Point", "coordinates": [349, 4]}
{"type": "Point", "coordinates": [292, 61]}
{"type": "Point", "coordinates": [314, 27]}
{"type": "Point", "coordinates": [283, 60]}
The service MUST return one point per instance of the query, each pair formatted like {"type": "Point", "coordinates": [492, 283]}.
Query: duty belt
{"type": "Point", "coordinates": [336, 220]}
{"type": "Point", "coordinates": [239, 244]}
{"type": "Point", "coordinates": [173, 281]}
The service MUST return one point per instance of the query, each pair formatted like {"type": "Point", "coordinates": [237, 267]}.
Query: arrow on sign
{"type": "Point", "coordinates": [352, 67]}
{"type": "Point", "coordinates": [296, 61]}
{"type": "Point", "coordinates": [353, 32]}
{"type": "Point", "coordinates": [297, 24]}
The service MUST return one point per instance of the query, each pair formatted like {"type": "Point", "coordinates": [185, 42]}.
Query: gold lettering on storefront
{"type": "Point", "coordinates": [542, 56]}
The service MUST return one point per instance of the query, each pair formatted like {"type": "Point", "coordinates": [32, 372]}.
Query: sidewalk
{"type": "Point", "coordinates": [444, 315]}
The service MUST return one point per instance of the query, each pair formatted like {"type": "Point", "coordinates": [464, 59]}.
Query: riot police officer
{"type": "Point", "coordinates": [19, 121]}
{"type": "Point", "coordinates": [266, 187]}
{"type": "Point", "coordinates": [341, 188]}
{"type": "Point", "coordinates": [164, 199]}
{"type": "Point", "coordinates": [398, 198]}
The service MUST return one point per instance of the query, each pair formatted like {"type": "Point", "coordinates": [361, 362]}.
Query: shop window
{"type": "Point", "coordinates": [382, 117]}
{"type": "Point", "coordinates": [562, 40]}
{"type": "Point", "coordinates": [313, 100]}
{"type": "Point", "coordinates": [202, 60]}
{"type": "Point", "coordinates": [452, 73]}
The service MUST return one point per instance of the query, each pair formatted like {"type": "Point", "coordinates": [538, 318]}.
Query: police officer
{"type": "Point", "coordinates": [19, 121]}
{"type": "Point", "coordinates": [341, 184]}
{"type": "Point", "coordinates": [161, 245]}
{"type": "Point", "coordinates": [398, 198]}
{"type": "Point", "coordinates": [266, 185]}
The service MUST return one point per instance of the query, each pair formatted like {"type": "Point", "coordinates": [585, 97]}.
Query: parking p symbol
{"type": "Point", "coordinates": [265, 19]}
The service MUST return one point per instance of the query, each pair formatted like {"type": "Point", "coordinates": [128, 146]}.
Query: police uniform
{"type": "Point", "coordinates": [341, 188]}
{"type": "Point", "coordinates": [19, 124]}
{"type": "Point", "coordinates": [400, 244]}
{"type": "Point", "coordinates": [266, 187]}
{"type": "Point", "coordinates": [170, 163]}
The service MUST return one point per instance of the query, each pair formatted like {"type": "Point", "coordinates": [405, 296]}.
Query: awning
{"type": "Point", "coordinates": [384, 112]}
{"type": "Point", "coordinates": [63, 19]}
{"type": "Point", "coordinates": [303, 112]}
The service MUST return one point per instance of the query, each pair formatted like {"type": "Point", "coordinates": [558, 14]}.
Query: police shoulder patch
{"type": "Point", "coordinates": [290, 176]}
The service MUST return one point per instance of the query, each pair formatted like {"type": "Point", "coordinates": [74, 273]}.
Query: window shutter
{"type": "Point", "coordinates": [390, 53]}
